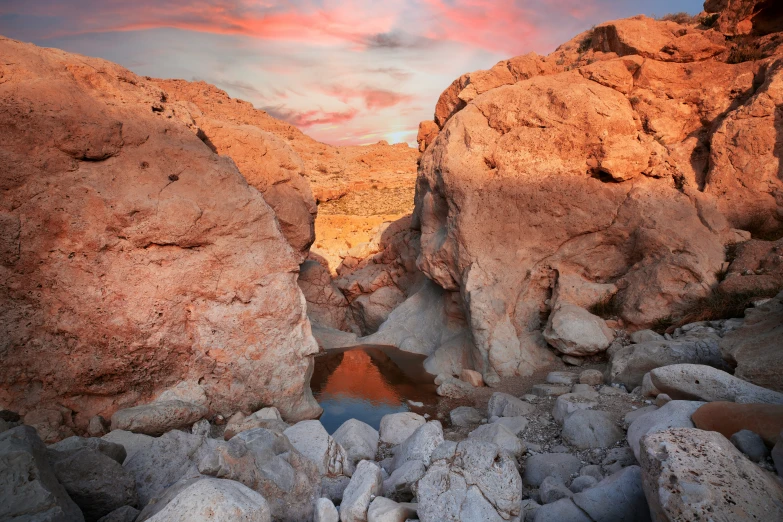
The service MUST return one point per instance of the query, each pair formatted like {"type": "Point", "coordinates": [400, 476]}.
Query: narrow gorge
{"type": "Point", "coordinates": [566, 304]}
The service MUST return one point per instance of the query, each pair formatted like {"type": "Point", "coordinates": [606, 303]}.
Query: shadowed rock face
{"type": "Point", "coordinates": [133, 257]}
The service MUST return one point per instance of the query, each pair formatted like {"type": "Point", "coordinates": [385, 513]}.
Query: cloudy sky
{"type": "Point", "coordinates": [344, 71]}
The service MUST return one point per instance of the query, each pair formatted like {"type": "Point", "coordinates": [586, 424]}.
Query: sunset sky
{"type": "Point", "coordinates": [344, 71]}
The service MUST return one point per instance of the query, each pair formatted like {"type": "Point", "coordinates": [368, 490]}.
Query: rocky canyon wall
{"type": "Point", "coordinates": [134, 257]}
{"type": "Point", "coordinates": [620, 166]}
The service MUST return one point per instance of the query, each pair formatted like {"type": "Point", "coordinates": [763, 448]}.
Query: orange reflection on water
{"type": "Point", "coordinates": [358, 377]}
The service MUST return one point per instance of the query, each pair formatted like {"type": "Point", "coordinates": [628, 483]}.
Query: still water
{"type": "Point", "coordinates": [368, 382]}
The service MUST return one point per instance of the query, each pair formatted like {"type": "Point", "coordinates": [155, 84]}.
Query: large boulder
{"type": "Point", "coordinates": [214, 500]}
{"type": "Point", "coordinates": [538, 467]}
{"type": "Point", "coordinates": [473, 177]}
{"type": "Point", "coordinates": [96, 482]}
{"type": "Point", "coordinates": [158, 417]}
{"type": "Point", "coordinates": [704, 383]}
{"type": "Point", "coordinates": [311, 439]}
{"type": "Point", "coordinates": [29, 489]}
{"type": "Point", "coordinates": [114, 451]}
{"type": "Point", "coordinates": [500, 435]}
{"type": "Point", "coordinates": [360, 440]}
{"type": "Point", "coordinates": [673, 414]}
{"type": "Point", "coordinates": [395, 428]}
{"type": "Point", "coordinates": [172, 266]}
{"type": "Point", "coordinates": [754, 347]}
{"type": "Point", "coordinates": [727, 485]}
{"type": "Point", "coordinates": [479, 482]}
{"type": "Point", "coordinates": [504, 405]}
{"type": "Point", "coordinates": [575, 331]}
{"type": "Point", "coordinates": [326, 304]}
{"type": "Point", "coordinates": [420, 445]}
{"type": "Point", "coordinates": [727, 418]}
{"type": "Point", "coordinates": [629, 364]}
{"type": "Point", "coordinates": [268, 463]}
{"type": "Point", "coordinates": [589, 429]}
{"type": "Point", "coordinates": [365, 484]}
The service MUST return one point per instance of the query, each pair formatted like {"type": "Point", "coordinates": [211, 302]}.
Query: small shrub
{"type": "Point", "coordinates": [709, 20]}
{"type": "Point", "coordinates": [744, 50]}
{"type": "Point", "coordinates": [321, 168]}
{"type": "Point", "coordinates": [719, 305]}
{"type": "Point", "coordinates": [586, 43]}
{"type": "Point", "coordinates": [679, 18]}
{"type": "Point", "coordinates": [663, 324]}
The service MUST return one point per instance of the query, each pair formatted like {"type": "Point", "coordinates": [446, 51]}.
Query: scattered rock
{"type": "Point", "coordinates": [591, 377]}
{"type": "Point", "coordinates": [385, 510]}
{"type": "Point", "coordinates": [751, 445]}
{"type": "Point", "coordinates": [662, 399]}
{"type": "Point", "coordinates": [515, 425]}
{"type": "Point", "coordinates": [399, 484]}
{"type": "Point", "coordinates": [325, 511]}
{"type": "Point", "coordinates": [312, 441]}
{"type": "Point", "coordinates": [561, 511]}
{"type": "Point", "coordinates": [575, 331]}
{"type": "Point", "coordinates": [592, 470]}
{"type": "Point", "coordinates": [612, 390]}
{"type": "Point", "coordinates": [539, 467]}
{"type": "Point", "coordinates": [584, 390]}
{"type": "Point", "coordinates": [648, 388]}
{"type": "Point", "coordinates": [552, 489]}
{"type": "Point", "coordinates": [157, 418]}
{"type": "Point", "coordinates": [480, 482]}
{"type": "Point", "coordinates": [395, 428]}
{"type": "Point", "coordinates": [699, 382]}
{"type": "Point", "coordinates": [420, 445]}
{"type": "Point", "coordinates": [267, 418]}
{"type": "Point", "coordinates": [573, 361]}
{"type": "Point", "coordinates": [123, 514]}
{"type": "Point", "coordinates": [333, 488]}
{"type": "Point", "coordinates": [365, 484]}
{"type": "Point", "coordinates": [617, 459]}
{"type": "Point", "coordinates": [567, 404]}
{"type": "Point", "coordinates": [727, 485]}
{"type": "Point", "coordinates": [97, 483]}
{"type": "Point", "coordinates": [454, 388]}
{"type": "Point", "coordinates": [472, 377]}
{"type": "Point", "coordinates": [549, 390]}
{"type": "Point", "coordinates": [728, 418]}
{"type": "Point", "coordinates": [359, 440]}
{"type": "Point", "coordinates": [591, 429]}
{"type": "Point", "coordinates": [98, 426]}
{"type": "Point", "coordinates": [643, 336]}
{"type": "Point", "coordinates": [214, 500]}
{"type": "Point", "coordinates": [29, 489]}
{"type": "Point", "coordinates": [465, 416]}
{"type": "Point", "coordinates": [566, 378]}
{"type": "Point", "coordinates": [582, 483]}
{"type": "Point", "coordinates": [71, 445]}
{"type": "Point", "coordinates": [132, 442]}
{"type": "Point", "coordinates": [635, 414]}
{"type": "Point", "coordinates": [505, 405]}
{"type": "Point", "coordinates": [674, 414]}
{"type": "Point", "coordinates": [497, 433]}
{"type": "Point", "coordinates": [617, 497]}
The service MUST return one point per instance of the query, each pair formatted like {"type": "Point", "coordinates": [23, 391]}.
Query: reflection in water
{"type": "Point", "coordinates": [369, 382]}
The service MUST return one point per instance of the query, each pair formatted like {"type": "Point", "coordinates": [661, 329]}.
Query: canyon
{"type": "Point", "coordinates": [584, 254]}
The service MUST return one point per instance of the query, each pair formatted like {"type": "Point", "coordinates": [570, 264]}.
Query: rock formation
{"type": "Point", "coordinates": [133, 256]}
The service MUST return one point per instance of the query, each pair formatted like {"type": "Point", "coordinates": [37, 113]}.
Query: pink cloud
{"type": "Point", "coordinates": [305, 119]}
{"type": "Point", "coordinates": [373, 98]}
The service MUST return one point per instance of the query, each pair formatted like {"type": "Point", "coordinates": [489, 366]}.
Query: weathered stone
{"type": "Point", "coordinates": [465, 416]}
{"type": "Point", "coordinates": [123, 514]}
{"type": "Point", "coordinates": [472, 377]}
{"type": "Point", "coordinates": [643, 336]}
{"type": "Point", "coordinates": [214, 500]}
{"type": "Point", "coordinates": [395, 428]}
{"type": "Point", "coordinates": [561, 511]}
{"type": "Point", "coordinates": [385, 510]}
{"type": "Point", "coordinates": [674, 414]}
{"type": "Point", "coordinates": [132, 442]}
{"type": "Point", "coordinates": [549, 390]}
{"type": "Point", "coordinates": [420, 445]}
{"type": "Point", "coordinates": [325, 511]}
{"type": "Point", "coordinates": [505, 405]}
{"type": "Point", "coordinates": [727, 485]}
{"type": "Point", "coordinates": [567, 404]}
{"type": "Point", "coordinates": [498, 434]}
{"type": "Point", "coordinates": [552, 489]}
{"type": "Point", "coordinates": [445, 450]}
{"type": "Point", "coordinates": [617, 459]}
{"type": "Point", "coordinates": [699, 382]}
{"type": "Point", "coordinates": [157, 418]}
{"type": "Point", "coordinates": [98, 426]}
{"type": "Point", "coordinates": [399, 484]}
{"type": "Point", "coordinates": [454, 388]}
{"type": "Point", "coordinates": [268, 463]}
{"type": "Point", "coordinates": [359, 440]}
{"type": "Point", "coordinates": [591, 377]}
{"type": "Point", "coordinates": [582, 483]}
{"type": "Point", "coordinates": [29, 489]}
{"type": "Point", "coordinates": [635, 414]}
{"type": "Point", "coordinates": [365, 484]}
{"type": "Point", "coordinates": [751, 445]}
{"type": "Point", "coordinates": [728, 418]}
{"type": "Point", "coordinates": [617, 497]}
{"type": "Point", "coordinates": [334, 487]}
{"type": "Point", "coordinates": [112, 450]}
{"type": "Point", "coordinates": [629, 364]}
{"type": "Point", "coordinates": [539, 467]}
{"type": "Point", "coordinates": [648, 388]}
{"type": "Point", "coordinates": [480, 482]}
{"type": "Point", "coordinates": [515, 425]}
{"type": "Point", "coordinates": [96, 482]}
{"type": "Point", "coordinates": [585, 390]}
{"type": "Point", "coordinates": [592, 470]}
{"type": "Point", "coordinates": [591, 429]}
{"type": "Point", "coordinates": [566, 378]}
{"type": "Point", "coordinates": [312, 441]}
{"type": "Point", "coordinates": [575, 331]}
{"type": "Point", "coordinates": [267, 418]}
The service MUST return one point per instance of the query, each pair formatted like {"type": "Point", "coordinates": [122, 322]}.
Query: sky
{"type": "Point", "coordinates": [345, 72]}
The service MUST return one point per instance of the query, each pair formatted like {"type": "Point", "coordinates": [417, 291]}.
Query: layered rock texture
{"type": "Point", "coordinates": [616, 169]}
{"type": "Point", "coordinates": [135, 257]}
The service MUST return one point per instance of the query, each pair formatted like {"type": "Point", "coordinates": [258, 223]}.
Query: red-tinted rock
{"type": "Point", "coordinates": [728, 418]}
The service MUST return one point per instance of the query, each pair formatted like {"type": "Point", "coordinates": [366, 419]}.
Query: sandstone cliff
{"type": "Point", "coordinates": [134, 257]}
